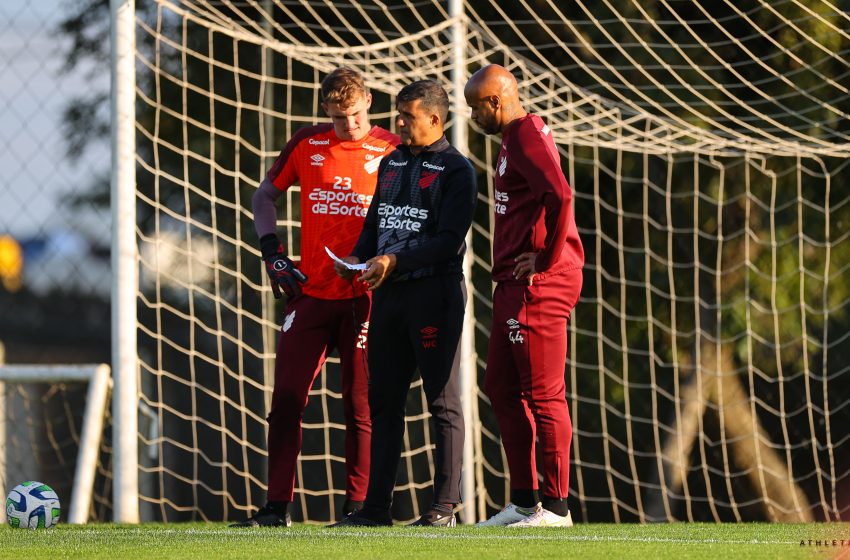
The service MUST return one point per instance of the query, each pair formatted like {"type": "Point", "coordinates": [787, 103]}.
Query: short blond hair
{"type": "Point", "coordinates": [344, 86]}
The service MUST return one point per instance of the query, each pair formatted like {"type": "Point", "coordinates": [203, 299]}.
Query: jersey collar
{"type": "Point", "coordinates": [354, 144]}
{"type": "Point", "coordinates": [440, 145]}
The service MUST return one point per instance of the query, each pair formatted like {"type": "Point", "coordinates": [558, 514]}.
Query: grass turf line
{"type": "Point", "coordinates": [213, 541]}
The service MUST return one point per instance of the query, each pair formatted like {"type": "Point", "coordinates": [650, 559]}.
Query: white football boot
{"type": "Point", "coordinates": [510, 514]}
{"type": "Point", "coordinates": [544, 518]}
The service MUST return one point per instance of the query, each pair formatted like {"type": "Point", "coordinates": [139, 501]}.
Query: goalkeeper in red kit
{"type": "Point", "coordinates": [537, 262]}
{"type": "Point", "coordinates": [336, 165]}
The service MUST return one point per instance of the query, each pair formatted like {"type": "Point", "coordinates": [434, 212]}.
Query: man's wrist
{"type": "Point", "coordinates": [539, 263]}
{"type": "Point", "coordinates": [393, 261]}
{"type": "Point", "coordinates": [270, 245]}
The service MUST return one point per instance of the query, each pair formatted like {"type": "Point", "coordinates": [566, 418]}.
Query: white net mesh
{"type": "Point", "coordinates": [706, 144]}
{"type": "Point", "coordinates": [40, 428]}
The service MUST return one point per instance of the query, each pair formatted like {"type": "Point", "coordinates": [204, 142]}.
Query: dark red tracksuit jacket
{"type": "Point", "coordinates": [528, 344]}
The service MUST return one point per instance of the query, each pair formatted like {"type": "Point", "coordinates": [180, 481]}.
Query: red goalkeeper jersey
{"type": "Point", "coordinates": [337, 183]}
{"type": "Point", "coordinates": [533, 206]}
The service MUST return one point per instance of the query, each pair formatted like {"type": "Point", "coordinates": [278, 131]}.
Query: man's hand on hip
{"type": "Point", "coordinates": [525, 267]}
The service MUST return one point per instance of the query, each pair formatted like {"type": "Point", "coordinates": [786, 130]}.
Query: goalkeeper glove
{"type": "Point", "coordinates": [282, 271]}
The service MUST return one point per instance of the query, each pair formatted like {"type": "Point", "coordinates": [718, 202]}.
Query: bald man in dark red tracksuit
{"type": "Point", "coordinates": [537, 262]}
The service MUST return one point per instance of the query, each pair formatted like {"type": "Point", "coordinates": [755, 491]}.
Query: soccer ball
{"type": "Point", "coordinates": [32, 505]}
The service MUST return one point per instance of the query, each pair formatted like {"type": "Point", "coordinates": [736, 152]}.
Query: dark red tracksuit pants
{"type": "Point", "coordinates": [525, 377]}
{"type": "Point", "coordinates": [311, 328]}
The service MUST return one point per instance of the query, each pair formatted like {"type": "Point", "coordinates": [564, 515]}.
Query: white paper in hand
{"type": "Point", "coordinates": [345, 264]}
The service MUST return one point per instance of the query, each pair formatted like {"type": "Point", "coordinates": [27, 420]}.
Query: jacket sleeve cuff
{"type": "Point", "coordinates": [270, 245]}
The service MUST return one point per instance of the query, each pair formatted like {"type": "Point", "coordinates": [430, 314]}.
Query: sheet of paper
{"type": "Point", "coordinates": [343, 263]}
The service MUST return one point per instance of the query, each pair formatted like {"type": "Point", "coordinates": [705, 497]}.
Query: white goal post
{"type": "Point", "coordinates": [124, 254]}
{"type": "Point", "coordinates": [98, 378]}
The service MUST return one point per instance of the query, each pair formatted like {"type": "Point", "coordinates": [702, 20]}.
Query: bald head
{"type": "Point", "coordinates": [493, 80]}
{"type": "Point", "coordinates": [493, 95]}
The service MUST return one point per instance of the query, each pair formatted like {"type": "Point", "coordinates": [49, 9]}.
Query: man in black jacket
{"type": "Point", "coordinates": [412, 244]}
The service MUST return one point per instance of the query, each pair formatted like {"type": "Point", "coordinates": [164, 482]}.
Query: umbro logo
{"type": "Point", "coordinates": [429, 337]}
{"type": "Point", "coordinates": [545, 130]}
{"type": "Point", "coordinates": [514, 334]}
{"type": "Point", "coordinates": [317, 159]}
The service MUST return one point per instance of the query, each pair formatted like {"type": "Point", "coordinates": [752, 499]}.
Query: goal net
{"type": "Point", "coordinates": [52, 425]}
{"type": "Point", "coordinates": [707, 148]}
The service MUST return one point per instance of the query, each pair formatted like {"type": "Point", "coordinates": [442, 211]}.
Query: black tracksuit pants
{"type": "Point", "coordinates": [415, 324]}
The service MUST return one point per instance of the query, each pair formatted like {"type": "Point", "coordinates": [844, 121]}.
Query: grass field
{"type": "Point", "coordinates": [213, 541]}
